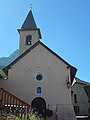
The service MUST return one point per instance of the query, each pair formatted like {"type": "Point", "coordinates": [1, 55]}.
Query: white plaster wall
{"type": "Point", "coordinates": [21, 81]}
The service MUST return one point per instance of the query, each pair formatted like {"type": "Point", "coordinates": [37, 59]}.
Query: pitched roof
{"type": "Point", "coordinates": [73, 69]}
{"type": "Point", "coordinates": [29, 22]}
{"type": "Point", "coordinates": [81, 81]}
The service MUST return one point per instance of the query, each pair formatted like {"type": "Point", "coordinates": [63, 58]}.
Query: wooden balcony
{"type": "Point", "coordinates": [8, 100]}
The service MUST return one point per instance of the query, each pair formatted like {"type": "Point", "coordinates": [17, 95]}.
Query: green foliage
{"type": "Point", "coordinates": [31, 115]}
{"type": "Point", "coordinates": [3, 74]}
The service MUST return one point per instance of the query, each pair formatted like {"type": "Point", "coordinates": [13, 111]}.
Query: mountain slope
{"type": "Point", "coordinates": [4, 61]}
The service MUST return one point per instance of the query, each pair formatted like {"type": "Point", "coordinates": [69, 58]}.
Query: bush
{"type": "Point", "coordinates": [30, 115]}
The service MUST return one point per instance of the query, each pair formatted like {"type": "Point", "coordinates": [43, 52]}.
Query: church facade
{"type": "Point", "coordinates": [39, 76]}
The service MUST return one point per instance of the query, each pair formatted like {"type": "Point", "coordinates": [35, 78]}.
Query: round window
{"type": "Point", "coordinates": [39, 76]}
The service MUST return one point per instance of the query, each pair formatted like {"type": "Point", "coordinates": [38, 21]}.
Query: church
{"type": "Point", "coordinates": [39, 77]}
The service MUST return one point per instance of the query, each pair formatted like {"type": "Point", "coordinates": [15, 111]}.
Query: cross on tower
{"type": "Point", "coordinates": [30, 6]}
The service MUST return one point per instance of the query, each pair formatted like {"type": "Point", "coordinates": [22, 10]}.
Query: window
{"type": "Point", "coordinates": [39, 76]}
{"type": "Point", "coordinates": [38, 90]}
{"type": "Point", "coordinates": [89, 110]}
{"type": "Point", "coordinates": [29, 40]}
{"type": "Point", "coordinates": [75, 98]}
{"type": "Point", "coordinates": [76, 109]}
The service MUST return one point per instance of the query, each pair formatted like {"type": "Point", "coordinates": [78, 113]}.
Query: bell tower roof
{"type": "Point", "coordinates": [29, 22]}
{"type": "Point", "coordinates": [29, 33]}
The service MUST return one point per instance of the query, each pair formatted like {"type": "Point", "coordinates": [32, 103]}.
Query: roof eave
{"type": "Point", "coordinates": [73, 70]}
{"type": "Point", "coordinates": [73, 73]}
{"type": "Point", "coordinates": [40, 36]}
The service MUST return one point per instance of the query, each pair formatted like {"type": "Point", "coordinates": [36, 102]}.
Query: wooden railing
{"type": "Point", "coordinates": [8, 100]}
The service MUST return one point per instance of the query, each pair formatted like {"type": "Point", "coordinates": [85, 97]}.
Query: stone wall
{"type": "Point", "coordinates": [65, 112]}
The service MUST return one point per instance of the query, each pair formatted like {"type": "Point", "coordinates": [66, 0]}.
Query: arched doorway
{"type": "Point", "coordinates": [40, 105]}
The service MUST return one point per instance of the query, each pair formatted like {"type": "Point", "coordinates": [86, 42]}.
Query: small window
{"type": "Point", "coordinates": [75, 98]}
{"type": "Point", "coordinates": [89, 110]}
{"type": "Point", "coordinates": [39, 76]}
{"type": "Point", "coordinates": [76, 109]}
{"type": "Point", "coordinates": [39, 90]}
{"type": "Point", "coordinates": [29, 40]}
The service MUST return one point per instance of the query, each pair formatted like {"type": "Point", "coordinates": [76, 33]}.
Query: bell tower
{"type": "Point", "coordinates": [29, 33]}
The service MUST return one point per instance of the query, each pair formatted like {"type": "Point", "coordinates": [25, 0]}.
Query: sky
{"type": "Point", "coordinates": [64, 25]}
